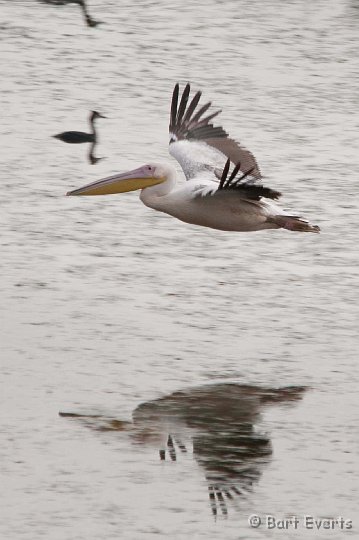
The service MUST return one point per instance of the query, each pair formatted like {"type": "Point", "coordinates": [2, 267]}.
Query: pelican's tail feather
{"type": "Point", "coordinates": [294, 223]}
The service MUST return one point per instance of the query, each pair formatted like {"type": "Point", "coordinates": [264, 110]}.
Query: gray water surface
{"type": "Point", "coordinates": [107, 305]}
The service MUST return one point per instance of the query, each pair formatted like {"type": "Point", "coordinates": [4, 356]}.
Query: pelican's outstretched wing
{"type": "Point", "coordinates": [199, 145]}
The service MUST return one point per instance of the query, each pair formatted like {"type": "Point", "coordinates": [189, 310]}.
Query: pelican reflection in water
{"type": "Point", "coordinates": [79, 137]}
{"type": "Point", "coordinates": [223, 189]}
{"type": "Point", "coordinates": [216, 421]}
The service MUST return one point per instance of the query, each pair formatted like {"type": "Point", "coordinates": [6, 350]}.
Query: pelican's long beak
{"type": "Point", "coordinates": [119, 183]}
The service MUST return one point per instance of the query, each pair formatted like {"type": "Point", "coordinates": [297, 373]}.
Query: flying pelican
{"type": "Point", "coordinates": [214, 196]}
{"type": "Point", "coordinates": [78, 137]}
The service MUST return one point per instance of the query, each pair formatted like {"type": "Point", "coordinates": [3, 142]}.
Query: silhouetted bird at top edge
{"type": "Point", "coordinates": [77, 137]}
{"type": "Point", "coordinates": [89, 21]}
{"type": "Point", "coordinates": [59, 2]}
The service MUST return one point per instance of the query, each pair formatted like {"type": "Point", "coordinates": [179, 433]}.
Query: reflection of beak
{"type": "Point", "coordinates": [119, 183]}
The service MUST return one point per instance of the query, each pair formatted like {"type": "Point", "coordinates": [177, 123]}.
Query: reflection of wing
{"type": "Point", "coordinates": [232, 459]}
{"type": "Point", "coordinates": [197, 144]}
{"type": "Point", "coordinates": [220, 419]}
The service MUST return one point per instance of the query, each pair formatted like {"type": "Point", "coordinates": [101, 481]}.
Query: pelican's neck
{"type": "Point", "coordinates": [151, 196]}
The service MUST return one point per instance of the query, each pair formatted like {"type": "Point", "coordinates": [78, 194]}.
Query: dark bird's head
{"type": "Point", "coordinates": [95, 114]}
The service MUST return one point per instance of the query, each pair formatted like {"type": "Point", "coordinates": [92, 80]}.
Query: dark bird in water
{"type": "Point", "coordinates": [89, 21]}
{"type": "Point", "coordinates": [218, 423]}
{"type": "Point", "coordinates": [78, 137]}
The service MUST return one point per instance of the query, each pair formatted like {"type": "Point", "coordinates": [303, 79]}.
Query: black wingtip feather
{"type": "Point", "coordinates": [187, 120]}
{"type": "Point", "coordinates": [234, 172]}
{"type": "Point", "coordinates": [192, 106]}
{"type": "Point", "coordinates": [205, 121]}
{"type": "Point", "coordinates": [174, 105]}
{"type": "Point", "coordinates": [224, 174]}
{"type": "Point", "coordinates": [200, 112]}
{"type": "Point", "coordinates": [244, 175]}
{"type": "Point", "coordinates": [183, 104]}
{"type": "Point", "coordinates": [206, 132]}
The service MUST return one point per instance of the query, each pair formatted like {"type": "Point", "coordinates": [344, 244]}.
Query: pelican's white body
{"type": "Point", "coordinates": [194, 203]}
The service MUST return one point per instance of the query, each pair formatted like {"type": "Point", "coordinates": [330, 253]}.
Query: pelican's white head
{"type": "Point", "coordinates": [151, 174]}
